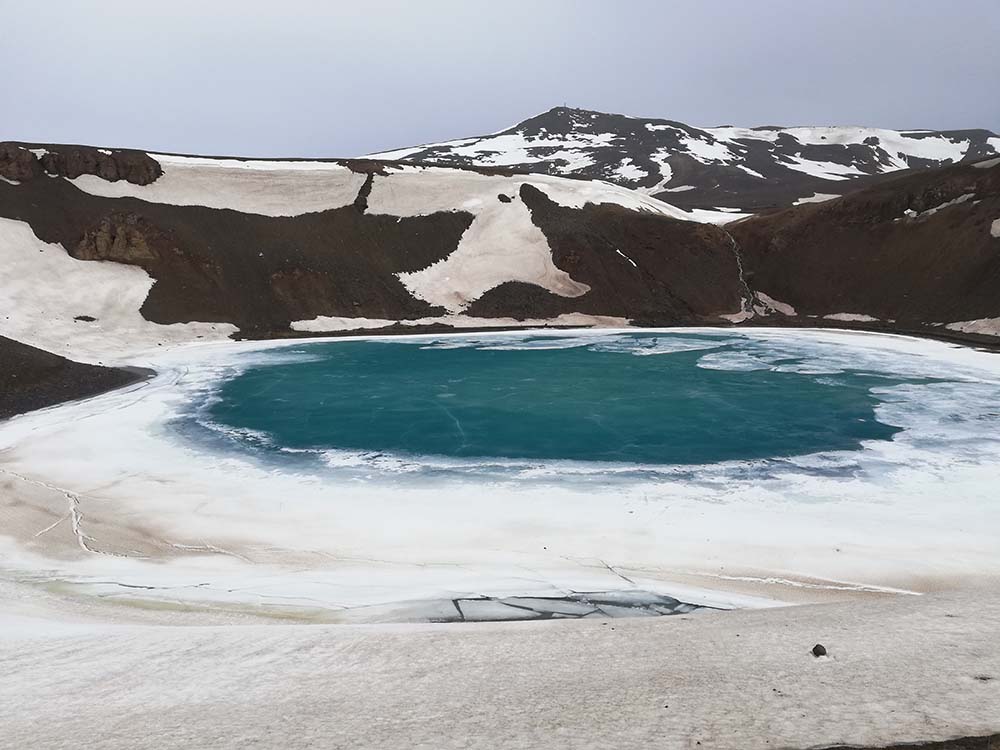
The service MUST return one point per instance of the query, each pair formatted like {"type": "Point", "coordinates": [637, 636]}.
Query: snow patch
{"type": "Point", "coordinates": [267, 188]}
{"type": "Point", "coordinates": [851, 317]}
{"type": "Point", "coordinates": [911, 214]}
{"type": "Point", "coordinates": [983, 326]}
{"type": "Point", "coordinates": [782, 307]}
{"type": "Point", "coordinates": [327, 323]}
{"type": "Point", "coordinates": [709, 152]}
{"type": "Point", "coordinates": [995, 228]}
{"type": "Point", "coordinates": [816, 198]}
{"type": "Point", "coordinates": [626, 258]}
{"type": "Point", "coordinates": [827, 170]}
{"type": "Point", "coordinates": [336, 323]}
{"type": "Point", "coordinates": [709, 216]}
{"type": "Point", "coordinates": [989, 162]}
{"type": "Point", "coordinates": [896, 147]}
{"type": "Point", "coordinates": [629, 171]}
{"type": "Point", "coordinates": [502, 244]}
{"type": "Point", "coordinates": [42, 289]}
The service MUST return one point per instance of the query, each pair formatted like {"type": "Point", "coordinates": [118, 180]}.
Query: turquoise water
{"type": "Point", "coordinates": [642, 399]}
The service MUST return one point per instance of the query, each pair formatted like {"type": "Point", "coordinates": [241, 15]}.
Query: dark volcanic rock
{"type": "Point", "coordinates": [257, 272]}
{"type": "Point", "coordinates": [638, 265]}
{"type": "Point", "coordinates": [122, 238]}
{"type": "Point", "coordinates": [17, 162]}
{"type": "Point", "coordinates": [864, 253]}
{"type": "Point", "coordinates": [31, 378]}
{"type": "Point", "coordinates": [642, 266]}
{"type": "Point", "coordinates": [988, 742]}
{"type": "Point", "coordinates": [72, 161]}
{"type": "Point", "coordinates": [819, 650]}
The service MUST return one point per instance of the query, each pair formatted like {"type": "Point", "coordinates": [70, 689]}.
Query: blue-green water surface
{"type": "Point", "coordinates": [642, 399]}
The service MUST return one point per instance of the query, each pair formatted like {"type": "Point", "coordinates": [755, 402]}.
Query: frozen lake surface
{"type": "Point", "coordinates": [503, 475]}
{"type": "Point", "coordinates": [653, 399]}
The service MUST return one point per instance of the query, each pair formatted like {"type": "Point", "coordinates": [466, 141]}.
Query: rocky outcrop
{"type": "Point", "coordinates": [19, 163]}
{"type": "Point", "coordinates": [123, 238]}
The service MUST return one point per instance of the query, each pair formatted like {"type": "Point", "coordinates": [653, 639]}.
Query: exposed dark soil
{"type": "Point", "coordinates": [31, 378]}
{"type": "Point", "coordinates": [257, 272]}
{"type": "Point", "coordinates": [638, 265]}
{"type": "Point", "coordinates": [260, 273]}
{"type": "Point", "coordinates": [991, 742]}
{"type": "Point", "coordinates": [861, 254]}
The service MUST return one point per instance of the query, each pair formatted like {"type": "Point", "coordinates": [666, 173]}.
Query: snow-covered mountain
{"type": "Point", "coordinates": [191, 247]}
{"type": "Point", "coordinates": [111, 251]}
{"type": "Point", "coordinates": [740, 169]}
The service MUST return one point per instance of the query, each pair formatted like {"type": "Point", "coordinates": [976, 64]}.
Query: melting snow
{"type": "Point", "coordinates": [43, 289]}
{"type": "Point", "coordinates": [910, 213]}
{"type": "Point", "coordinates": [267, 188]}
{"type": "Point", "coordinates": [983, 326]}
{"type": "Point", "coordinates": [707, 216]}
{"type": "Point", "coordinates": [827, 170]}
{"type": "Point", "coordinates": [330, 323]}
{"type": "Point", "coordinates": [502, 244]}
{"type": "Point", "coordinates": [782, 307]}
{"type": "Point", "coordinates": [897, 145]}
{"type": "Point", "coordinates": [709, 152]}
{"type": "Point", "coordinates": [629, 171]}
{"type": "Point", "coordinates": [851, 317]}
{"type": "Point", "coordinates": [626, 257]}
{"type": "Point", "coordinates": [815, 198]}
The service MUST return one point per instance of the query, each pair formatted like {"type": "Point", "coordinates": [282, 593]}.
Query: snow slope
{"type": "Point", "coordinates": [727, 166]}
{"type": "Point", "coordinates": [306, 241]}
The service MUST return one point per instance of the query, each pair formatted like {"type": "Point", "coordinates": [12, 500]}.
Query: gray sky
{"type": "Point", "coordinates": [301, 78]}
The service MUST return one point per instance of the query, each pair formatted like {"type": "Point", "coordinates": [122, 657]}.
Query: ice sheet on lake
{"type": "Point", "coordinates": [231, 528]}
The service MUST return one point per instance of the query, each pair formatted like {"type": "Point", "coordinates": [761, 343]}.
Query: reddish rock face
{"type": "Point", "coordinates": [123, 238]}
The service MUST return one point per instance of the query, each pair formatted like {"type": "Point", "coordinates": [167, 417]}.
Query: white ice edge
{"type": "Point", "coordinates": [427, 539]}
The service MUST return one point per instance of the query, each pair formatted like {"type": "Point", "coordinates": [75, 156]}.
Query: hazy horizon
{"type": "Point", "coordinates": [326, 79]}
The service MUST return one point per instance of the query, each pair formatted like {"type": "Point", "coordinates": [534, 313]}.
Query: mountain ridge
{"type": "Point", "coordinates": [108, 251]}
{"type": "Point", "coordinates": [743, 170]}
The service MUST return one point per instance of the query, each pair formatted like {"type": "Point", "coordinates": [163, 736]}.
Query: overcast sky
{"type": "Point", "coordinates": [299, 78]}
